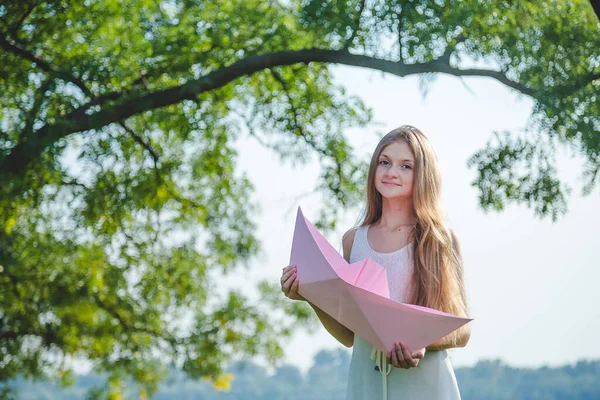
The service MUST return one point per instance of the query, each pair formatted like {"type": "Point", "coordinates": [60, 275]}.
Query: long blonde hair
{"type": "Point", "coordinates": [438, 268]}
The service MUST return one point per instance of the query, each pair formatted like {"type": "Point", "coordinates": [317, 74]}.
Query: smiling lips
{"type": "Point", "coordinates": [391, 183]}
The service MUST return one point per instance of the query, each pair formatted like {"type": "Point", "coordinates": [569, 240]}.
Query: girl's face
{"type": "Point", "coordinates": [395, 171]}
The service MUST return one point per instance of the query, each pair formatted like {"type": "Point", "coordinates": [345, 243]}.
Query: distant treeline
{"type": "Point", "coordinates": [326, 379]}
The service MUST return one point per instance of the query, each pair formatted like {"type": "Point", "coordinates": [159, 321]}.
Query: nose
{"type": "Point", "coordinates": [392, 172]}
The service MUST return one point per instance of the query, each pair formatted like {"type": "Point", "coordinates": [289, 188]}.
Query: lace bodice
{"type": "Point", "coordinates": [398, 264]}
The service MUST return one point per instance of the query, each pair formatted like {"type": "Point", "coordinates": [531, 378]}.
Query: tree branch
{"type": "Point", "coordinates": [297, 126]}
{"type": "Point", "coordinates": [79, 120]}
{"type": "Point", "coordinates": [286, 89]}
{"type": "Point", "coordinates": [141, 141]}
{"type": "Point", "coordinates": [356, 26]}
{"type": "Point", "coordinates": [15, 29]}
{"type": "Point", "coordinates": [127, 327]}
{"type": "Point", "coordinates": [159, 178]}
{"type": "Point", "coordinates": [74, 182]}
{"type": "Point", "coordinates": [400, 47]}
{"type": "Point", "coordinates": [578, 84]}
{"type": "Point", "coordinates": [308, 138]}
{"type": "Point", "coordinates": [37, 104]}
{"type": "Point", "coordinates": [248, 122]}
{"type": "Point", "coordinates": [450, 47]}
{"type": "Point", "coordinates": [20, 51]}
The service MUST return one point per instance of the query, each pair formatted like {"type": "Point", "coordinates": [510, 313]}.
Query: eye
{"type": "Point", "coordinates": [383, 162]}
{"type": "Point", "coordinates": [406, 166]}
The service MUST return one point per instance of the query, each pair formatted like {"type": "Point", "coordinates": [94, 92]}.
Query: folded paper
{"type": "Point", "coordinates": [357, 295]}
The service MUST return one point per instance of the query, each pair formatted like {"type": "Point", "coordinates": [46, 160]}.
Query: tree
{"type": "Point", "coordinates": [120, 198]}
{"type": "Point", "coordinates": [596, 6]}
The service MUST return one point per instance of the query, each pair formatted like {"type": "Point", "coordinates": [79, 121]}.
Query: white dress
{"type": "Point", "coordinates": [432, 379]}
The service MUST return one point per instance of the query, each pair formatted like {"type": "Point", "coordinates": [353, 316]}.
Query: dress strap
{"type": "Point", "coordinates": [358, 246]}
{"type": "Point", "coordinates": [361, 237]}
{"type": "Point", "coordinates": [382, 366]}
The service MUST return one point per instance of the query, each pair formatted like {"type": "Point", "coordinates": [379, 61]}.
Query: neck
{"type": "Point", "coordinates": [397, 213]}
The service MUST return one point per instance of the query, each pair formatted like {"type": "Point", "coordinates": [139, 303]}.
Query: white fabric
{"type": "Point", "coordinates": [383, 366]}
{"type": "Point", "coordinates": [432, 379]}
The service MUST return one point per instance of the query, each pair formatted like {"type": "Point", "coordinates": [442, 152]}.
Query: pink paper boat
{"type": "Point", "coordinates": [357, 295]}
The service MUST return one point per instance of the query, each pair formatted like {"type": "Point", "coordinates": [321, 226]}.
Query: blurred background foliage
{"type": "Point", "coordinates": [327, 377]}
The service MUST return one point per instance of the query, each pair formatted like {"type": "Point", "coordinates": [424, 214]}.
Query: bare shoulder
{"type": "Point", "coordinates": [347, 241]}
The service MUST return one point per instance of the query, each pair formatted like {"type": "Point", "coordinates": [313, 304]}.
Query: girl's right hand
{"type": "Point", "coordinates": [290, 282]}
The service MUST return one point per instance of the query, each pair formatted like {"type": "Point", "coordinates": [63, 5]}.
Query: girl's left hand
{"type": "Point", "coordinates": [402, 356]}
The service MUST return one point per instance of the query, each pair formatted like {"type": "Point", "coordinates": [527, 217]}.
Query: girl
{"type": "Point", "coordinates": [403, 230]}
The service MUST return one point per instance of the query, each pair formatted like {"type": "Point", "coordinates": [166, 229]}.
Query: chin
{"type": "Point", "coordinates": [393, 194]}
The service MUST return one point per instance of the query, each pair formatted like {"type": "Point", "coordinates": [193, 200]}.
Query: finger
{"type": "Point", "coordinates": [286, 275]}
{"type": "Point", "coordinates": [288, 283]}
{"type": "Point", "coordinates": [408, 361]}
{"type": "Point", "coordinates": [419, 354]}
{"type": "Point", "coordinates": [289, 268]}
{"type": "Point", "coordinates": [294, 288]}
{"type": "Point", "coordinates": [400, 355]}
{"type": "Point", "coordinates": [394, 358]}
{"type": "Point", "coordinates": [407, 356]}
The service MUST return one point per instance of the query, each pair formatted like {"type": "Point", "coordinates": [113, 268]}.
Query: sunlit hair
{"type": "Point", "coordinates": [438, 269]}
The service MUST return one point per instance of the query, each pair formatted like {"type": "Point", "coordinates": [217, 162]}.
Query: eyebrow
{"type": "Point", "coordinates": [386, 156]}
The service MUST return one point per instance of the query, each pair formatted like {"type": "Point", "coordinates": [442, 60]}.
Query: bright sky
{"type": "Point", "coordinates": [531, 284]}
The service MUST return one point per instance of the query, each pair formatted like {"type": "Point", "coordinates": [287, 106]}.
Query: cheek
{"type": "Point", "coordinates": [411, 178]}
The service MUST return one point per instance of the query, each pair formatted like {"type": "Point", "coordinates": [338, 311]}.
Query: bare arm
{"type": "Point", "coordinates": [460, 338]}
{"type": "Point", "coordinates": [290, 285]}
{"type": "Point", "coordinates": [344, 335]}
